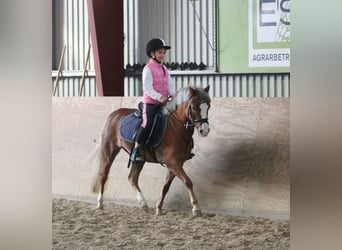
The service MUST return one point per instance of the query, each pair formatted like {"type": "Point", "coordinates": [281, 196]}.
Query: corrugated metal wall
{"type": "Point", "coordinates": [70, 84]}
{"type": "Point", "coordinates": [187, 25]}
{"type": "Point", "coordinates": [225, 85]}
{"type": "Point", "coordinates": [71, 29]}
{"type": "Point", "coordinates": [222, 85]}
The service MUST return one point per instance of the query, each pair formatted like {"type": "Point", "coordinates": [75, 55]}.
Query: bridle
{"type": "Point", "coordinates": [192, 122]}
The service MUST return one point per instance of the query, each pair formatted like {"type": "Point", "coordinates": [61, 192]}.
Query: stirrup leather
{"type": "Point", "coordinates": [135, 156]}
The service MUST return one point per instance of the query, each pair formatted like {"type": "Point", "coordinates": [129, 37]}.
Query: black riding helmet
{"type": "Point", "coordinates": [155, 44]}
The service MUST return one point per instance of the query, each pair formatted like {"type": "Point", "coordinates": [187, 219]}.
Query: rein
{"type": "Point", "coordinates": [192, 122]}
{"type": "Point", "coordinates": [175, 116]}
{"type": "Point", "coordinates": [187, 141]}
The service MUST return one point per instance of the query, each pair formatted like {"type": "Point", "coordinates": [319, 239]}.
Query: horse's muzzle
{"type": "Point", "coordinates": [203, 129]}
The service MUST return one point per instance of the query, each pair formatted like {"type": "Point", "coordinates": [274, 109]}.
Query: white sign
{"type": "Point", "coordinates": [269, 33]}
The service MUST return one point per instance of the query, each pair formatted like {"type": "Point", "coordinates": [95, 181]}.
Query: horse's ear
{"type": "Point", "coordinates": [192, 91]}
{"type": "Point", "coordinates": [207, 88]}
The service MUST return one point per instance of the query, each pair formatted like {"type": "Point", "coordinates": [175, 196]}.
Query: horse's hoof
{"type": "Point", "coordinates": [196, 213]}
{"type": "Point", "coordinates": [144, 207]}
{"type": "Point", "coordinates": [159, 211]}
{"type": "Point", "coordinates": [99, 207]}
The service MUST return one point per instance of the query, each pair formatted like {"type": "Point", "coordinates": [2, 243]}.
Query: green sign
{"type": "Point", "coordinates": [253, 36]}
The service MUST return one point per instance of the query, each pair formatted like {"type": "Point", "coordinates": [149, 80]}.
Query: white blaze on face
{"type": "Point", "coordinates": [204, 129]}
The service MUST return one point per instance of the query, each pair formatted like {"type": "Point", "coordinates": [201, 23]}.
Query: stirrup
{"type": "Point", "coordinates": [135, 156]}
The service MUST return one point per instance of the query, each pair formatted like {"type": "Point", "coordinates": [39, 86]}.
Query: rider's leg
{"type": "Point", "coordinates": [143, 132]}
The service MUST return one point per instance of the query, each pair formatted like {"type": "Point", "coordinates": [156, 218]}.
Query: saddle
{"type": "Point", "coordinates": [131, 123]}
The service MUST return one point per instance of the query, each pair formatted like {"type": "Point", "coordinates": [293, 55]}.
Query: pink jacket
{"type": "Point", "coordinates": [160, 82]}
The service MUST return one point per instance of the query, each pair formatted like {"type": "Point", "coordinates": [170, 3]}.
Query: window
{"type": "Point", "coordinates": [189, 26]}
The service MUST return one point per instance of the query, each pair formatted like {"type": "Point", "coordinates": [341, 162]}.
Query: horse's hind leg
{"type": "Point", "coordinates": [108, 154]}
{"type": "Point", "coordinates": [133, 178]}
{"type": "Point", "coordinates": [168, 180]}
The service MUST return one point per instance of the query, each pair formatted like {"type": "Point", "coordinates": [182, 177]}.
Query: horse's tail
{"type": "Point", "coordinates": [93, 162]}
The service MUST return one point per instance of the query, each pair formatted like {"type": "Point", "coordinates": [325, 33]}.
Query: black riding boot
{"type": "Point", "coordinates": [135, 156]}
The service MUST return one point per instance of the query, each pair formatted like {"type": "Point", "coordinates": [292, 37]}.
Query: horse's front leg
{"type": "Point", "coordinates": [133, 178]}
{"type": "Point", "coordinates": [179, 172]}
{"type": "Point", "coordinates": [168, 180]}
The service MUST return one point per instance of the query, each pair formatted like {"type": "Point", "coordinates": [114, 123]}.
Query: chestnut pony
{"type": "Point", "coordinates": [187, 110]}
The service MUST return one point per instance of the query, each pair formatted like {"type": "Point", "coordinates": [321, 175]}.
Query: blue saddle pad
{"type": "Point", "coordinates": [131, 123]}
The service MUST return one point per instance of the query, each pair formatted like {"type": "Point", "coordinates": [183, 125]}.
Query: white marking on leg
{"type": "Point", "coordinates": [141, 199]}
{"type": "Point", "coordinates": [196, 207]}
{"type": "Point", "coordinates": [196, 211]}
{"type": "Point", "coordinates": [100, 201]}
{"type": "Point", "coordinates": [159, 211]}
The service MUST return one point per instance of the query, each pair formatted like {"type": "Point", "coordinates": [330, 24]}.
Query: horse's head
{"type": "Point", "coordinates": [197, 110]}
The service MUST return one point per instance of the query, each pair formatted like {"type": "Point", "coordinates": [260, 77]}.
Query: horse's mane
{"type": "Point", "coordinates": [181, 96]}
